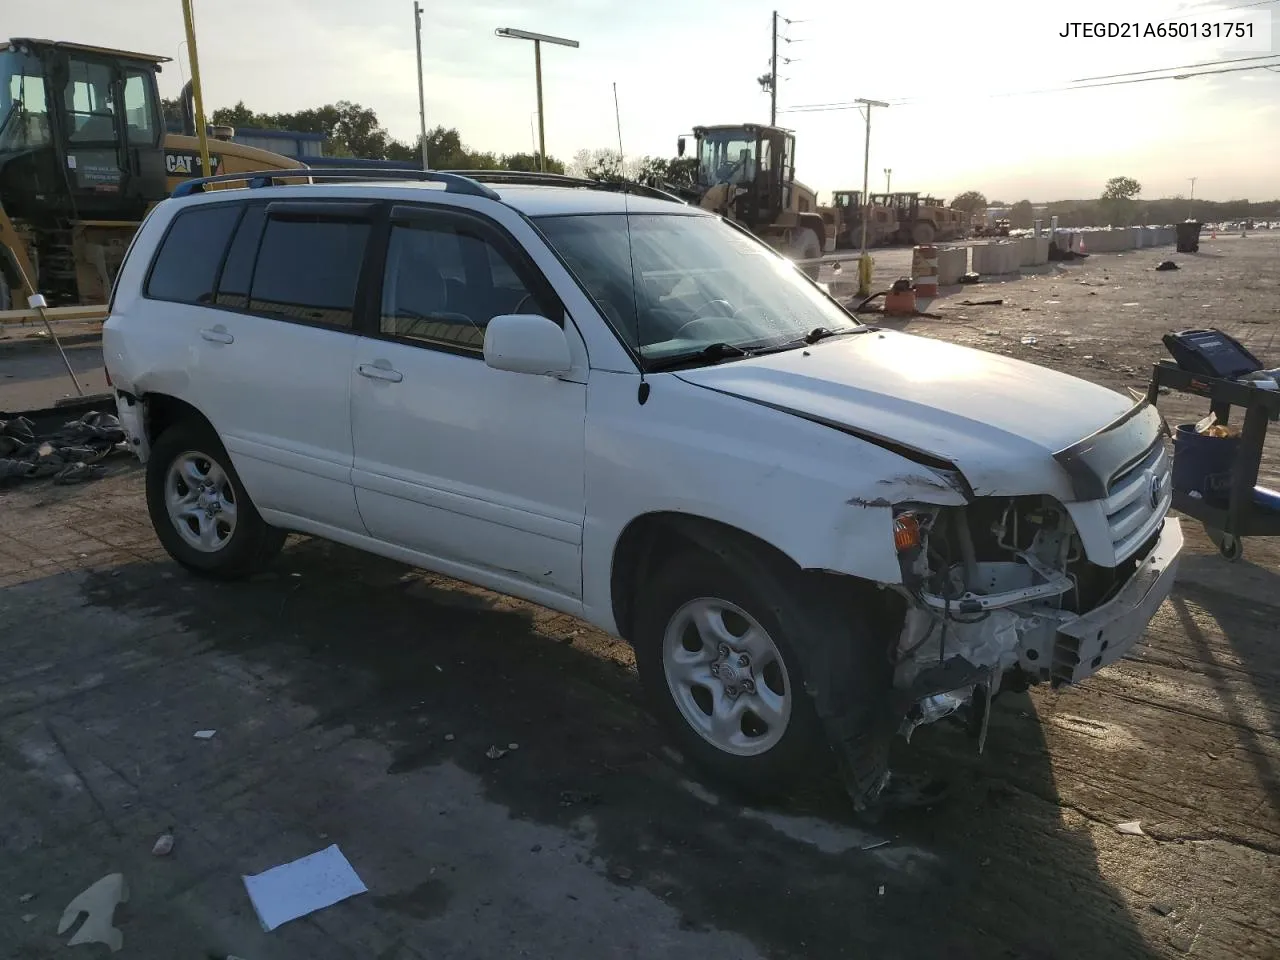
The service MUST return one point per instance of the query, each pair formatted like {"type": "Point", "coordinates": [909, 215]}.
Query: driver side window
{"type": "Point", "coordinates": [445, 280]}
{"type": "Point", "coordinates": [90, 103]}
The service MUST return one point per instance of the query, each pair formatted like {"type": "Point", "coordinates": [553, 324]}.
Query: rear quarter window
{"type": "Point", "coordinates": [187, 264]}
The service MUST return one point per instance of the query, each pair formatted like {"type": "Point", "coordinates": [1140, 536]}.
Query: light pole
{"type": "Point", "coordinates": [1192, 202]}
{"type": "Point", "coordinates": [888, 173]}
{"type": "Point", "coordinates": [538, 40]}
{"type": "Point", "coordinates": [864, 261]}
{"type": "Point", "coordinates": [422, 101]}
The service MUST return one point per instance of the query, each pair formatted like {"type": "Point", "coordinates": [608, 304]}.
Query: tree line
{"type": "Point", "coordinates": [352, 130]}
{"type": "Point", "coordinates": [1119, 204]}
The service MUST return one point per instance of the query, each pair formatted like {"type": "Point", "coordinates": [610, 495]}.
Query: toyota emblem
{"type": "Point", "coordinates": [1157, 487]}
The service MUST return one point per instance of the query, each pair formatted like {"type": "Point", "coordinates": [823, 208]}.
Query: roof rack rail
{"type": "Point", "coordinates": [453, 182]}
{"type": "Point", "coordinates": [537, 178]}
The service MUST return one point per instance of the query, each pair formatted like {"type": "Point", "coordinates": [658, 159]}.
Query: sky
{"type": "Point", "coordinates": [976, 88]}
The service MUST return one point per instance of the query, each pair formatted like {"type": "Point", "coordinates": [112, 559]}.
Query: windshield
{"type": "Point", "coordinates": [24, 115]}
{"type": "Point", "coordinates": [727, 156]}
{"type": "Point", "coordinates": [698, 282]}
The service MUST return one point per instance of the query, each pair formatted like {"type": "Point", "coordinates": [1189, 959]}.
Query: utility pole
{"type": "Point", "coordinates": [422, 101]}
{"type": "Point", "coordinates": [864, 261]}
{"type": "Point", "coordinates": [538, 39]}
{"type": "Point", "coordinates": [773, 74]}
{"type": "Point", "coordinates": [1192, 201]}
{"type": "Point", "coordinates": [888, 173]}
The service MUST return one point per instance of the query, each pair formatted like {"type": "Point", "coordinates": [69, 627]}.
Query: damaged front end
{"type": "Point", "coordinates": [1001, 595]}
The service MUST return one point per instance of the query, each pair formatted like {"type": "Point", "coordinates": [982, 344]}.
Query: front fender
{"type": "Point", "coordinates": [821, 497]}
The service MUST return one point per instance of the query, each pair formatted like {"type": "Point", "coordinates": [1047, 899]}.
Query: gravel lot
{"type": "Point", "coordinates": [354, 700]}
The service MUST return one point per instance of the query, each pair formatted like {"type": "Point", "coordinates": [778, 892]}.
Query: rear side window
{"type": "Point", "coordinates": [237, 272]}
{"type": "Point", "coordinates": [187, 264]}
{"type": "Point", "coordinates": [308, 270]}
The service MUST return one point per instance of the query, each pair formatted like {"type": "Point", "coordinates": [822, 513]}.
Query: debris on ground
{"type": "Point", "coordinates": [28, 917]}
{"type": "Point", "coordinates": [513, 746]}
{"type": "Point", "coordinates": [570, 798]}
{"type": "Point", "coordinates": [1132, 828]}
{"type": "Point", "coordinates": [205, 734]}
{"type": "Point", "coordinates": [449, 737]}
{"type": "Point", "coordinates": [495, 752]}
{"type": "Point", "coordinates": [1163, 909]}
{"type": "Point", "coordinates": [99, 902]}
{"type": "Point", "coordinates": [1167, 265]}
{"type": "Point", "coordinates": [1029, 341]}
{"type": "Point", "coordinates": [163, 845]}
{"type": "Point", "coordinates": [26, 898]}
{"type": "Point", "coordinates": [621, 873]}
{"type": "Point", "coordinates": [970, 278]}
{"type": "Point", "coordinates": [70, 454]}
{"type": "Point", "coordinates": [303, 886]}
{"type": "Point", "coordinates": [981, 303]}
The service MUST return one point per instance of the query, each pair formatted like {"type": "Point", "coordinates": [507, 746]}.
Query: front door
{"type": "Point", "coordinates": [477, 469]}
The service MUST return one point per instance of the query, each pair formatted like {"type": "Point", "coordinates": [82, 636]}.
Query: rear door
{"type": "Point", "coordinates": [269, 335]}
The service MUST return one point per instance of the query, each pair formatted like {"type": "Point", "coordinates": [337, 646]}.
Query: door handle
{"type": "Point", "coordinates": [217, 335]}
{"type": "Point", "coordinates": [380, 371]}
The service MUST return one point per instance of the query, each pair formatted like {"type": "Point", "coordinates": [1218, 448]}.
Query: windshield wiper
{"type": "Point", "coordinates": [822, 333]}
{"type": "Point", "coordinates": [711, 353]}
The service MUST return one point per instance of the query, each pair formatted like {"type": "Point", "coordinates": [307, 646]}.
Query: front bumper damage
{"type": "Point", "coordinates": [957, 654]}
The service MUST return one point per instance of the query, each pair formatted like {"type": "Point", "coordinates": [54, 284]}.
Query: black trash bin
{"type": "Point", "coordinates": [1189, 236]}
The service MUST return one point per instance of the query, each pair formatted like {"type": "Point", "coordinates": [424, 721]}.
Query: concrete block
{"type": "Point", "coordinates": [995, 259]}
{"type": "Point", "coordinates": [1041, 255]}
{"type": "Point", "coordinates": [1139, 236]}
{"type": "Point", "coordinates": [953, 263]}
{"type": "Point", "coordinates": [1026, 251]}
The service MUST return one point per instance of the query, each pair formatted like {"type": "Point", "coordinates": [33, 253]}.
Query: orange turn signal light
{"type": "Point", "coordinates": [906, 531]}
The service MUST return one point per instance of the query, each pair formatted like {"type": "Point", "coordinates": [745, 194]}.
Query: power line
{"type": "Point", "coordinates": [1180, 66]}
{"type": "Point", "coordinates": [907, 101]}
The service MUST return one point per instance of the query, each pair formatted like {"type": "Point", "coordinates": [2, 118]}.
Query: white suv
{"type": "Point", "coordinates": [816, 534]}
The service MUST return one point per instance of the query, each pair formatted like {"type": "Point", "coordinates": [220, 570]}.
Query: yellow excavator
{"type": "Point", "coordinates": [746, 172]}
{"type": "Point", "coordinates": [84, 155]}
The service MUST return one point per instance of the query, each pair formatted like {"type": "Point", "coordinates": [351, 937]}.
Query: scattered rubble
{"type": "Point", "coordinates": [70, 454]}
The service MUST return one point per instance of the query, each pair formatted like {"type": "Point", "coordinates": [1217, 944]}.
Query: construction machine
{"type": "Point", "coordinates": [83, 156]}
{"type": "Point", "coordinates": [844, 220]}
{"type": "Point", "coordinates": [920, 218]}
{"type": "Point", "coordinates": [747, 174]}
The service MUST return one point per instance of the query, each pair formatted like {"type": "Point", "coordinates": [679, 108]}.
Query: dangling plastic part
{"type": "Point", "coordinates": [643, 393]}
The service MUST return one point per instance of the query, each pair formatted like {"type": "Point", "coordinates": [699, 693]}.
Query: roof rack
{"type": "Point", "coordinates": [453, 182]}
{"type": "Point", "coordinates": [536, 178]}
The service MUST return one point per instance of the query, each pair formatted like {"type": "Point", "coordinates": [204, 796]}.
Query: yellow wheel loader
{"type": "Point", "coordinates": [746, 173]}
{"type": "Point", "coordinates": [83, 156]}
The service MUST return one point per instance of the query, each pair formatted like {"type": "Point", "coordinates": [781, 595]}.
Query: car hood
{"type": "Point", "coordinates": [999, 420]}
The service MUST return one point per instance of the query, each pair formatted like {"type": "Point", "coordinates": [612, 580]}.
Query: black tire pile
{"type": "Point", "coordinates": [71, 454]}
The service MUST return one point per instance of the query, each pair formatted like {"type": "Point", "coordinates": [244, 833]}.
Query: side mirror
{"type": "Point", "coordinates": [680, 147]}
{"type": "Point", "coordinates": [526, 343]}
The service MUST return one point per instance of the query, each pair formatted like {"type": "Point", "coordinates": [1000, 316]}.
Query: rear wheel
{"type": "Point", "coordinates": [200, 510]}
{"type": "Point", "coordinates": [922, 233]}
{"type": "Point", "coordinates": [805, 245]}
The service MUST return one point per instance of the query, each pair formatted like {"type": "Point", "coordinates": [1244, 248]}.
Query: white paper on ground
{"type": "Point", "coordinates": [304, 886]}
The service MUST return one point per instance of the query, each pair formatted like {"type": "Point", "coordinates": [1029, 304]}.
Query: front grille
{"type": "Point", "coordinates": [1131, 516]}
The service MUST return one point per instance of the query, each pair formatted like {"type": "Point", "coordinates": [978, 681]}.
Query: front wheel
{"type": "Point", "coordinates": [719, 671]}
{"type": "Point", "coordinates": [199, 508]}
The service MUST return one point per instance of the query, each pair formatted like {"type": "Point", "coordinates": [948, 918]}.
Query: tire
{"type": "Point", "coordinates": [6, 294]}
{"type": "Point", "coordinates": [809, 248]}
{"type": "Point", "coordinates": [226, 539]}
{"type": "Point", "coordinates": [922, 233]}
{"type": "Point", "coordinates": [777, 738]}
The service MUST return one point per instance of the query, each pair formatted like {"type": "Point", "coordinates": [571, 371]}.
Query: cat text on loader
{"type": "Point", "coordinates": [747, 174]}
{"type": "Point", "coordinates": [83, 157]}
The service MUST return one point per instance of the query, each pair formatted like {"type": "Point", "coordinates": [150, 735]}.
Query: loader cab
{"type": "Point", "coordinates": [758, 161]}
{"type": "Point", "coordinates": [81, 132]}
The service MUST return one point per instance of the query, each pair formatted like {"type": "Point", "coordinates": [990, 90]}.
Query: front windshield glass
{"type": "Point", "coordinates": [698, 282]}
{"type": "Point", "coordinates": [727, 156]}
{"type": "Point", "coordinates": [24, 115]}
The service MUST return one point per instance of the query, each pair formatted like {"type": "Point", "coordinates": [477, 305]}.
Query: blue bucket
{"type": "Point", "coordinates": [1203, 464]}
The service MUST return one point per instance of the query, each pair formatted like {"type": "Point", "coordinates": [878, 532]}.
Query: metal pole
{"type": "Point", "coordinates": [866, 172]}
{"type": "Point", "coordinates": [542, 133]}
{"type": "Point", "coordinates": [773, 75]}
{"type": "Point", "coordinates": [189, 17]}
{"type": "Point", "coordinates": [422, 101]}
{"type": "Point", "coordinates": [1192, 201]}
{"type": "Point", "coordinates": [36, 302]}
{"type": "Point", "coordinates": [888, 173]}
